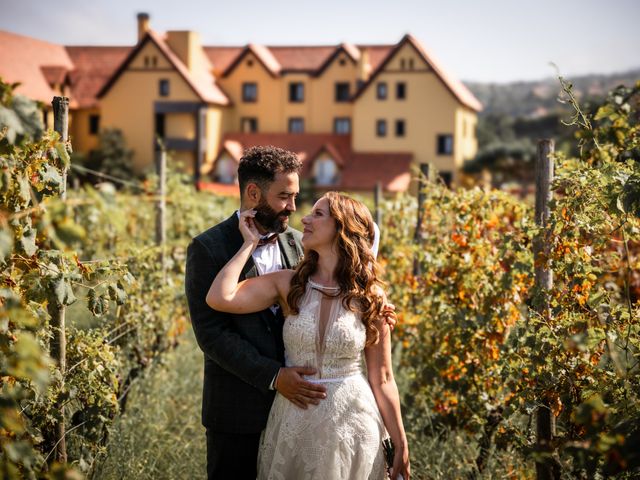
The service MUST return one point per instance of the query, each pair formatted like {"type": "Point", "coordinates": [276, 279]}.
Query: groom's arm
{"type": "Point", "coordinates": [213, 329]}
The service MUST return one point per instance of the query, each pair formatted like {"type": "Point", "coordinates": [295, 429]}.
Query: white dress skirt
{"type": "Point", "coordinates": [341, 438]}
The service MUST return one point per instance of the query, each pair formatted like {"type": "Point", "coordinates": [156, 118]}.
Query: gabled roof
{"type": "Point", "coordinates": [22, 60]}
{"type": "Point", "coordinates": [350, 50]}
{"type": "Point", "coordinates": [54, 74]}
{"type": "Point", "coordinates": [332, 151]}
{"type": "Point", "coordinates": [233, 148]}
{"type": "Point", "coordinates": [203, 84]}
{"type": "Point", "coordinates": [358, 171]}
{"type": "Point", "coordinates": [264, 56]}
{"type": "Point", "coordinates": [291, 59]}
{"type": "Point", "coordinates": [93, 67]}
{"type": "Point", "coordinates": [457, 88]}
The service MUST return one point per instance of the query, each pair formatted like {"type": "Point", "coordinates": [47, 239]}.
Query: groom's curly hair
{"type": "Point", "coordinates": [357, 271]}
{"type": "Point", "coordinates": [260, 165]}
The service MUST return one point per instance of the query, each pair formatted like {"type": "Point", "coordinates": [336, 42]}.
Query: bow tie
{"type": "Point", "coordinates": [268, 239]}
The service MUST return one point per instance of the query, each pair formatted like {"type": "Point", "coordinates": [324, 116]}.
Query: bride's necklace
{"type": "Point", "coordinates": [324, 289]}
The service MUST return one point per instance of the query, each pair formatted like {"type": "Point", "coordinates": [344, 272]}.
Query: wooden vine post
{"type": "Point", "coordinates": [545, 419]}
{"type": "Point", "coordinates": [161, 205]}
{"type": "Point", "coordinates": [417, 237]}
{"type": "Point", "coordinates": [58, 345]}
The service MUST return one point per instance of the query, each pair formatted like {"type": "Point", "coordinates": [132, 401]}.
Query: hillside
{"type": "Point", "coordinates": [539, 98]}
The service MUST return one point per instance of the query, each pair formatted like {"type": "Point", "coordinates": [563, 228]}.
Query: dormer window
{"type": "Point", "coordinates": [325, 171]}
{"type": "Point", "coordinates": [226, 170]}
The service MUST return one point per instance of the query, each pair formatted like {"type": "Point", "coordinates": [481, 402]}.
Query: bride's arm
{"type": "Point", "coordinates": [226, 294]}
{"type": "Point", "coordinates": [385, 391]}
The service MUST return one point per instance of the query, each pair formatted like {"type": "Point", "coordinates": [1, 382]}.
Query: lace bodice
{"type": "Point", "coordinates": [333, 346]}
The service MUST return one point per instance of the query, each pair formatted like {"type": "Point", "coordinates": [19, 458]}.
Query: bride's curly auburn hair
{"type": "Point", "coordinates": [357, 270]}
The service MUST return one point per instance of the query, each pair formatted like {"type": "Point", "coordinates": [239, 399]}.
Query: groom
{"type": "Point", "coordinates": [244, 354]}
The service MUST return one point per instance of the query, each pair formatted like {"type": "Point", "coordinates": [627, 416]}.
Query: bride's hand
{"type": "Point", "coordinates": [248, 227]}
{"type": "Point", "coordinates": [400, 464]}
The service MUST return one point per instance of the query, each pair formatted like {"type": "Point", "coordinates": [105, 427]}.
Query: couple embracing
{"type": "Point", "coordinates": [290, 324]}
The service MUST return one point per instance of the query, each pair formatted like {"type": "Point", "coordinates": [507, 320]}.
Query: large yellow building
{"type": "Point", "coordinates": [356, 114]}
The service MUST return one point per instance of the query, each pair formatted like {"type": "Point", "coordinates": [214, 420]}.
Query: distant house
{"type": "Point", "coordinates": [355, 114]}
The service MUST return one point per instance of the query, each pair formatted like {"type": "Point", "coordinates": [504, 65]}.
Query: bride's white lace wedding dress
{"type": "Point", "coordinates": [341, 438]}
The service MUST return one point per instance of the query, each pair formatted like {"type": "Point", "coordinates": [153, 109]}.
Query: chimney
{"type": "Point", "coordinates": [143, 25]}
{"type": "Point", "coordinates": [186, 45]}
{"type": "Point", "coordinates": [364, 65]}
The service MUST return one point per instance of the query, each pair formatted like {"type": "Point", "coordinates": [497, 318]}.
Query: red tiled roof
{"type": "Point", "coordinates": [332, 151]}
{"type": "Point", "coordinates": [457, 88]}
{"type": "Point", "coordinates": [203, 83]}
{"type": "Point", "coordinates": [359, 171]}
{"type": "Point", "coordinates": [365, 170]}
{"type": "Point", "coordinates": [94, 66]}
{"type": "Point", "coordinates": [233, 148]}
{"type": "Point", "coordinates": [264, 56]}
{"type": "Point", "coordinates": [222, 57]}
{"type": "Point", "coordinates": [228, 190]}
{"type": "Point", "coordinates": [22, 59]}
{"type": "Point", "coordinates": [54, 74]}
{"type": "Point", "coordinates": [298, 58]}
{"type": "Point", "coordinates": [302, 58]}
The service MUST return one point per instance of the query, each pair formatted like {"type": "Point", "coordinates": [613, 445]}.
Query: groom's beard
{"type": "Point", "coordinates": [269, 219]}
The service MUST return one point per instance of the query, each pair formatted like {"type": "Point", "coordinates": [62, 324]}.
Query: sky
{"type": "Point", "coordinates": [482, 40]}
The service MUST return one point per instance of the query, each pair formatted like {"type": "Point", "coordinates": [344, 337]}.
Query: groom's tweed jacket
{"type": "Point", "coordinates": [242, 353]}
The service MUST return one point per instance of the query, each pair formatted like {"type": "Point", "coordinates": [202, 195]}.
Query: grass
{"type": "Point", "coordinates": [160, 435]}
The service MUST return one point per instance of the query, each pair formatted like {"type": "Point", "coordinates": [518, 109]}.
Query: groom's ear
{"type": "Point", "coordinates": [253, 192]}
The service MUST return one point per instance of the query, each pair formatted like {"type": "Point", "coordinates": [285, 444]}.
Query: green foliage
{"type": "Point", "coordinates": [112, 157]}
{"type": "Point", "coordinates": [93, 256]}
{"type": "Point", "coordinates": [477, 357]}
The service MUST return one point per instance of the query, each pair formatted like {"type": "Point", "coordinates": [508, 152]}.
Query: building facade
{"type": "Point", "coordinates": [357, 115]}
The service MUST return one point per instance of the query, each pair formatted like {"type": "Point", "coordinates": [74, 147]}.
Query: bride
{"type": "Point", "coordinates": [334, 316]}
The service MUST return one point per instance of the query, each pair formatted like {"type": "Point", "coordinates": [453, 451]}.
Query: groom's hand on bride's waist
{"type": "Point", "coordinates": [292, 385]}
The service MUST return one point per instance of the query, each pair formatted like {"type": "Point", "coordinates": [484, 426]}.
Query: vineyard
{"type": "Point", "coordinates": [95, 336]}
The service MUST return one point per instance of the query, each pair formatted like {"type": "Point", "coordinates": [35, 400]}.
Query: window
{"type": "Point", "coordinates": [342, 126]}
{"type": "Point", "coordinates": [342, 62]}
{"type": "Point", "coordinates": [225, 170]}
{"type": "Point", "coordinates": [342, 92]}
{"type": "Point", "coordinates": [163, 87]}
{"type": "Point", "coordinates": [249, 63]}
{"type": "Point", "coordinates": [445, 144]}
{"type": "Point", "coordinates": [400, 128]}
{"type": "Point", "coordinates": [160, 125]}
{"type": "Point", "coordinates": [296, 92]}
{"type": "Point", "coordinates": [325, 171]}
{"type": "Point", "coordinates": [401, 91]}
{"type": "Point", "coordinates": [249, 92]}
{"type": "Point", "coordinates": [94, 124]}
{"type": "Point", "coordinates": [381, 91]}
{"type": "Point", "coordinates": [146, 61]}
{"type": "Point", "coordinates": [402, 64]}
{"type": "Point", "coordinates": [411, 64]}
{"type": "Point", "coordinates": [248, 125]}
{"type": "Point", "coordinates": [296, 125]}
{"type": "Point", "coordinates": [154, 61]}
{"type": "Point", "coordinates": [381, 128]}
